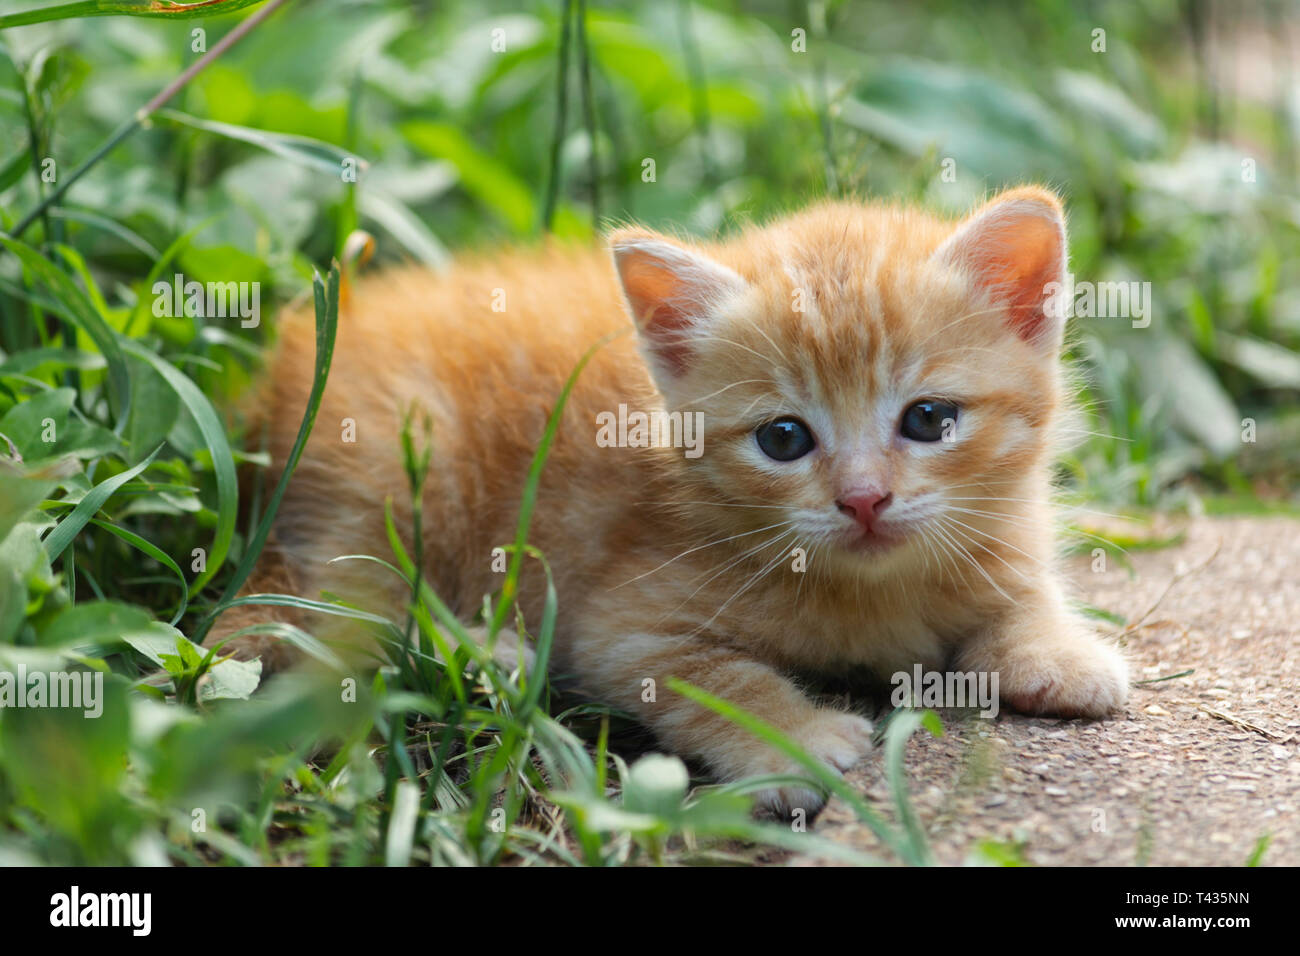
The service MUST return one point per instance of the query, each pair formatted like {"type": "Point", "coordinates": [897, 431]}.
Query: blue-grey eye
{"type": "Point", "coordinates": [925, 420]}
{"type": "Point", "coordinates": [785, 439]}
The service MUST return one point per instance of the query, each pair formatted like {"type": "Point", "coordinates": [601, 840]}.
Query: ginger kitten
{"type": "Point", "coordinates": [878, 389]}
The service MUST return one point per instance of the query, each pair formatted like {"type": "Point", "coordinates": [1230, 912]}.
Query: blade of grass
{"type": "Point", "coordinates": [163, 9]}
{"type": "Point", "coordinates": [213, 431]}
{"type": "Point", "coordinates": [561, 118]}
{"type": "Point", "coordinates": [529, 500]}
{"type": "Point", "coordinates": [822, 774]}
{"type": "Point", "coordinates": [74, 305]}
{"type": "Point", "coordinates": [69, 527]}
{"type": "Point", "coordinates": [304, 150]}
{"type": "Point", "coordinates": [153, 551]}
{"type": "Point", "coordinates": [901, 727]}
{"type": "Point", "coordinates": [327, 317]}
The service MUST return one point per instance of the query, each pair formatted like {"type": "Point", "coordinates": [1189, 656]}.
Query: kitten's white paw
{"type": "Point", "coordinates": [1084, 678]}
{"type": "Point", "coordinates": [838, 739]}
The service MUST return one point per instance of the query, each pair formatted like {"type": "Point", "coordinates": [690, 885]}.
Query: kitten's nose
{"type": "Point", "coordinates": [864, 507]}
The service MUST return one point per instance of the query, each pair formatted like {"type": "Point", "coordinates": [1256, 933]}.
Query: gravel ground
{"type": "Point", "coordinates": [1194, 772]}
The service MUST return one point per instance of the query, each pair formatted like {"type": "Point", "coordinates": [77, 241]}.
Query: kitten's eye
{"type": "Point", "coordinates": [785, 439]}
{"type": "Point", "coordinates": [924, 420]}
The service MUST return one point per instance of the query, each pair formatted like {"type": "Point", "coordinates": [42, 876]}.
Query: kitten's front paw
{"type": "Point", "coordinates": [1084, 678]}
{"type": "Point", "coordinates": [838, 739]}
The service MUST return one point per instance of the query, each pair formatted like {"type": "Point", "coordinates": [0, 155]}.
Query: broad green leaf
{"type": "Point", "coordinates": [1273, 365]}
{"type": "Point", "coordinates": [999, 131]}
{"type": "Point", "coordinates": [27, 423]}
{"type": "Point", "coordinates": [484, 177]}
{"type": "Point", "coordinates": [213, 429]}
{"type": "Point", "coordinates": [231, 680]}
{"type": "Point", "coordinates": [87, 627]}
{"type": "Point", "coordinates": [1188, 393]}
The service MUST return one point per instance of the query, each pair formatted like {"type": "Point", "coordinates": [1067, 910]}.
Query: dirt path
{"type": "Point", "coordinates": [1197, 769]}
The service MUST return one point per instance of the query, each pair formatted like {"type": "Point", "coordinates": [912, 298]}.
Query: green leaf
{"type": "Point", "coordinates": [401, 824]}
{"type": "Point", "coordinates": [999, 131]}
{"type": "Point", "coordinates": [69, 527]}
{"type": "Point", "coordinates": [87, 218]}
{"type": "Point", "coordinates": [28, 423]}
{"type": "Point", "coordinates": [406, 227]}
{"type": "Point", "coordinates": [141, 312]}
{"type": "Point", "coordinates": [1269, 363]}
{"type": "Point", "coordinates": [33, 360]}
{"type": "Point", "coordinates": [133, 8]}
{"type": "Point", "coordinates": [86, 628]}
{"type": "Point", "coordinates": [231, 680]}
{"type": "Point", "coordinates": [14, 167]}
{"type": "Point", "coordinates": [295, 636]}
{"type": "Point", "coordinates": [24, 568]}
{"type": "Point", "coordinates": [484, 177]}
{"type": "Point", "coordinates": [314, 153]}
{"type": "Point", "coordinates": [1186, 390]}
{"type": "Point", "coordinates": [213, 431]}
{"type": "Point", "coordinates": [19, 495]}
{"type": "Point", "coordinates": [153, 551]}
{"type": "Point", "coordinates": [72, 304]}
{"type": "Point", "coordinates": [1261, 847]}
{"type": "Point", "coordinates": [153, 409]}
{"type": "Point", "coordinates": [25, 423]}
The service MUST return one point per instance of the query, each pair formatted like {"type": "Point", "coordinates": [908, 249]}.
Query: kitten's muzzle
{"type": "Point", "coordinates": [864, 507]}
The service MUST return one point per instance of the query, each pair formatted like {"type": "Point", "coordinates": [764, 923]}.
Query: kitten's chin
{"type": "Point", "coordinates": [880, 541]}
{"type": "Point", "coordinates": [876, 556]}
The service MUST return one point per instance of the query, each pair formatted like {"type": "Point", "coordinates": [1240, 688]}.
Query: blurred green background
{"type": "Point", "coordinates": [457, 125]}
{"type": "Point", "coordinates": [453, 108]}
{"type": "Point", "coordinates": [1169, 127]}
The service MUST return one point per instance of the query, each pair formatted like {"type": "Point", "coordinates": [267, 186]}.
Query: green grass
{"type": "Point", "coordinates": [121, 535]}
{"type": "Point", "coordinates": [445, 757]}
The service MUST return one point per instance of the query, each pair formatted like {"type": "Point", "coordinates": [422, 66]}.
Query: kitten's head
{"type": "Point", "coordinates": [863, 371]}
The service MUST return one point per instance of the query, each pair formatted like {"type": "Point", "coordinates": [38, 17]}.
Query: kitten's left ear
{"type": "Point", "coordinates": [1014, 247]}
{"type": "Point", "coordinates": [672, 293]}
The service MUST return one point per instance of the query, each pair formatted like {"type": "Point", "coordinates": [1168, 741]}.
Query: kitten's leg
{"type": "Point", "coordinates": [638, 683]}
{"type": "Point", "coordinates": [1049, 661]}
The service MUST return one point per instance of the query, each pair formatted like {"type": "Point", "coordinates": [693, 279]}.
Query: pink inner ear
{"type": "Point", "coordinates": [1015, 258]}
{"type": "Point", "coordinates": [671, 293]}
{"type": "Point", "coordinates": [655, 294]}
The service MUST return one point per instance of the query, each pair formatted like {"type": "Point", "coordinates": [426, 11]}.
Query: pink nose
{"type": "Point", "coordinates": [864, 507]}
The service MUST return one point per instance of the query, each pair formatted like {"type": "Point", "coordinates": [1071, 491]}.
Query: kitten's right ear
{"type": "Point", "coordinates": [672, 294]}
{"type": "Point", "coordinates": [1015, 248]}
